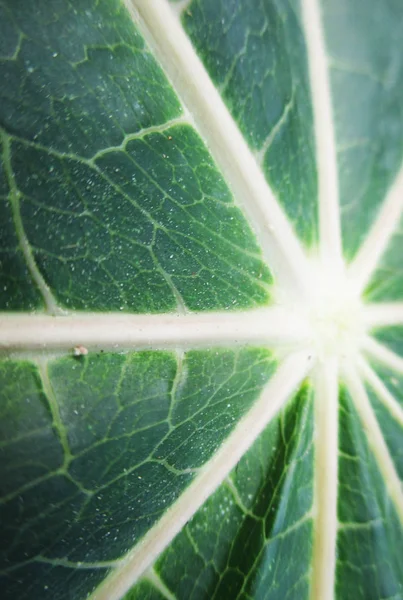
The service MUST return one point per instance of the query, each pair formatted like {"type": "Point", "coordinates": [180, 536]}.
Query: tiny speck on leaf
{"type": "Point", "coordinates": [80, 351]}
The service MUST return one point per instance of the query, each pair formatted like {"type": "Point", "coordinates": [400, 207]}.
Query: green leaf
{"type": "Point", "coordinates": [260, 516]}
{"type": "Point", "coordinates": [201, 296]}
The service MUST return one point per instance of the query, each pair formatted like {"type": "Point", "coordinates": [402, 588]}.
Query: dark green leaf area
{"type": "Point", "coordinates": [253, 537]}
{"type": "Point", "coordinates": [147, 228]}
{"type": "Point", "coordinates": [266, 88]}
{"type": "Point", "coordinates": [96, 449]}
{"type": "Point", "coordinates": [201, 240]}
{"type": "Point", "coordinates": [369, 564]}
{"type": "Point", "coordinates": [4, 186]}
{"type": "Point", "coordinates": [28, 447]}
{"type": "Point", "coordinates": [91, 244]}
{"type": "Point", "coordinates": [16, 289]}
{"type": "Point", "coordinates": [8, 34]}
{"type": "Point", "coordinates": [153, 410]}
{"type": "Point", "coordinates": [366, 83]}
{"type": "Point", "coordinates": [78, 77]}
{"type": "Point", "coordinates": [387, 282]}
{"type": "Point", "coordinates": [146, 590]}
{"type": "Point", "coordinates": [37, 500]}
{"type": "Point", "coordinates": [41, 579]}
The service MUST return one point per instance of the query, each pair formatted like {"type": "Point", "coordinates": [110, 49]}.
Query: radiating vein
{"type": "Point", "coordinates": [375, 438]}
{"type": "Point", "coordinates": [181, 6]}
{"type": "Point", "coordinates": [326, 156]}
{"type": "Point", "coordinates": [361, 525]}
{"type": "Point", "coordinates": [159, 585]}
{"type": "Point", "coordinates": [383, 314]}
{"type": "Point", "coordinates": [49, 300]}
{"type": "Point", "coordinates": [379, 236]}
{"type": "Point", "coordinates": [282, 249]}
{"type": "Point", "coordinates": [382, 392]}
{"type": "Point", "coordinates": [383, 354]}
{"type": "Point", "coordinates": [54, 409]}
{"type": "Point", "coordinates": [260, 155]}
{"type": "Point", "coordinates": [72, 564]}
{"type": "Point", "coordinates": [182, 120]}
{"type": "Point", "coordinates": [179, 301]}
{"type": "Point", "coordinates": [326, 480]}
{"type": "Point", "coordinates": [285, 382]}
{"type": "Point", "coordinates": [116, 331]}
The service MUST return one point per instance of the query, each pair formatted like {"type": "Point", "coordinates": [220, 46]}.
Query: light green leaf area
{"type": "Point", "coordinates": [366, 79]}
{"type": "Point", "coordinates": [266, 89]}
{"type": "Point", "coordinates": [259, 518]}
{"type": "Point", "coordinates": [387, 282]}
{"type": "Point", "coordinates": [391, 379]}
{"type": "Point", "coordinates": [117, 202]}
{"type": "Point", "coordinates": [392, 431]}
{"type": "Point", "coordinates": [369, 532]}
{"type": "Point", "coordinates": [94, 451]}
{"type": "Point", "coordinates": [390, 422]}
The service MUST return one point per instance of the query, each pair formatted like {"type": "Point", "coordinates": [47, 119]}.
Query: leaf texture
{"type": "Point", "coordinates": [201, 305]}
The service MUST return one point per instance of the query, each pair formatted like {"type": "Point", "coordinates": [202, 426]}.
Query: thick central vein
{"type": "Point", "coordinates": [326, 480]}
{"type": "Point", "coordinates": [116, 331]}
{"type": "Point", "coordinates": [329, 209]}
{"type": "Point", "coordinates": [383, 314]}
{"type": "Point", "coordinates": [212, 119]}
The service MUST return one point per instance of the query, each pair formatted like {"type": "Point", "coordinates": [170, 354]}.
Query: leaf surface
{"type": "Point", "coordinates": [201, 300]}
